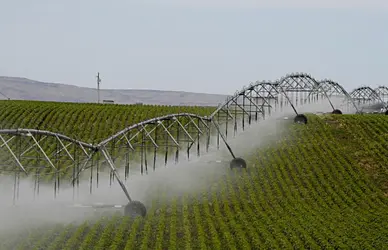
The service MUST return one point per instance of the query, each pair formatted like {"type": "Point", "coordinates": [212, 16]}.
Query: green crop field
{"type": "Point", "coordinates": [323, 185]}
{"type": "Point", "coordinates": [86, 122]}
{"type": "Point", "coordinates": [90, 123]}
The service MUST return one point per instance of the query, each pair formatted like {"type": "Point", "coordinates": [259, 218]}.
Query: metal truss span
{"type": "Point", "coordinates": [382, 91]}
{"type": "Point", "coordinates": [164, 136]}
{"type": "Point", "coordinates": [41, 153]}
{"type": "Point", "coordinates": [26, 143]}
{"type": "Point", "coordinates": [334, 89]}
{"type": "Point", "coordinates": [50, 156]}
{"type": "Point", "coordinates": [366, 97]}
{"type": "Point", "coordinates": [365, 94]}
{"type": "Point", "coordinates": [258, 99]}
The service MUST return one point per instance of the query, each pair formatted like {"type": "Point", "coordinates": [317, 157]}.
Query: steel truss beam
{"type": "Point", "coordinates": [161, 136]}
{"type": "Point", "coordinates": [40, 154]}
{"type": "Point", "coordinates": [382, 91]}
{"type": "Point", "coordinates": [260, 98]}
{"type": "Point", "coordinates": [251, 104]}
{"type": "Point", "coordinates": [43, 153]}
{"type": "Point", "coordinates": [366, 97]}
{"type": "Point", "coordinates": [365, 94]}
{"type": "Point", "coordinates": [334, 89]}
{"type": "Point", "coordinates": [301, 88]}
{"type": "Point", "coordinates": [254, 102]}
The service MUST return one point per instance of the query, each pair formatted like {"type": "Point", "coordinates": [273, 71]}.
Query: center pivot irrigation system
{"type": "Point", "coordinates": [50, 156]}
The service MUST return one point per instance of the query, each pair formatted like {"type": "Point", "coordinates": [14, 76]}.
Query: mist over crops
{"type": "Point", "coordinates": [177, 179]}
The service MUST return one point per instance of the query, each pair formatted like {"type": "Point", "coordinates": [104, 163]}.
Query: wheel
{"type": "Point", "coordinates": [337, 112]}
{"type": "Point", "coordinates": [386, 112]}
{"type": "Point", "coordinates": [238, 163]}
{"type": "Point", "coordinates": [135, 209]}
{"type": "Point", "coordinates": [301, 118]}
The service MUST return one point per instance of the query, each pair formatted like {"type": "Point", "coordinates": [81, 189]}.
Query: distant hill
{"type": "Point", "coordinates": [26, 89]}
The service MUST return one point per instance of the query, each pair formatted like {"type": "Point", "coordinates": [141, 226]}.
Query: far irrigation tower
{"type": "Point", "coordinates": [98, 86]}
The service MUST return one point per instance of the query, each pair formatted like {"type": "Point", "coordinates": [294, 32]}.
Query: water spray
{"type": "Point", "coordinates": [161, 134]}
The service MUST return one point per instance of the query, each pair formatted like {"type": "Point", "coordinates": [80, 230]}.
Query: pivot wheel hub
{"type": "Point", "coordinates": [336, 112]}
{"type": "Point", "coordinates": [238, 163]}
{"type": "Point", "coordinates": [301, 119]}
{"type": "Point", "coordinates": [135, 209]}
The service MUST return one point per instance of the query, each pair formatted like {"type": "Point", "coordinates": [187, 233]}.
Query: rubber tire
{"type": "Point", "coordinates": [135, 209]}
{"type": "Point", "coordinates": [386, 112]}
{"type": "Point", "coordinates": [337, 112]}
{"type": "Point", "coordinates": [301, 118]}
{"type": "Point", "coordinates": [238, 163]}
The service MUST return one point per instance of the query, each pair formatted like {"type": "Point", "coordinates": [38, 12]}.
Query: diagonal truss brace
{"type": "Point", "coordinates": [30, 137]}
{"type": "Point", "coordinates": [5, 143]}
{"type": "Point", "coordinates": [144, 130]}
{"type": "Point", "coordinates": [41, 149]}
{"type": "Point", "coordinates": [310, 85]}
{"type": "Point", "coordinates": [116, 174]}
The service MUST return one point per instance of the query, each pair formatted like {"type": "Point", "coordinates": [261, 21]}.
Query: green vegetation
{"type": "Point", "coordinates": [324, 185]}
{"type": "Point", "coordinates": [86, 122]}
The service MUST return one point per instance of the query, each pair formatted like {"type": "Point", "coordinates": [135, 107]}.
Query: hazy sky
{"type": "Point", "coordinates": [213, 46]}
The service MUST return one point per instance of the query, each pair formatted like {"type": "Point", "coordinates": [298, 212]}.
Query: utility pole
{"type": "Point", "coordinates": [98, 86]}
